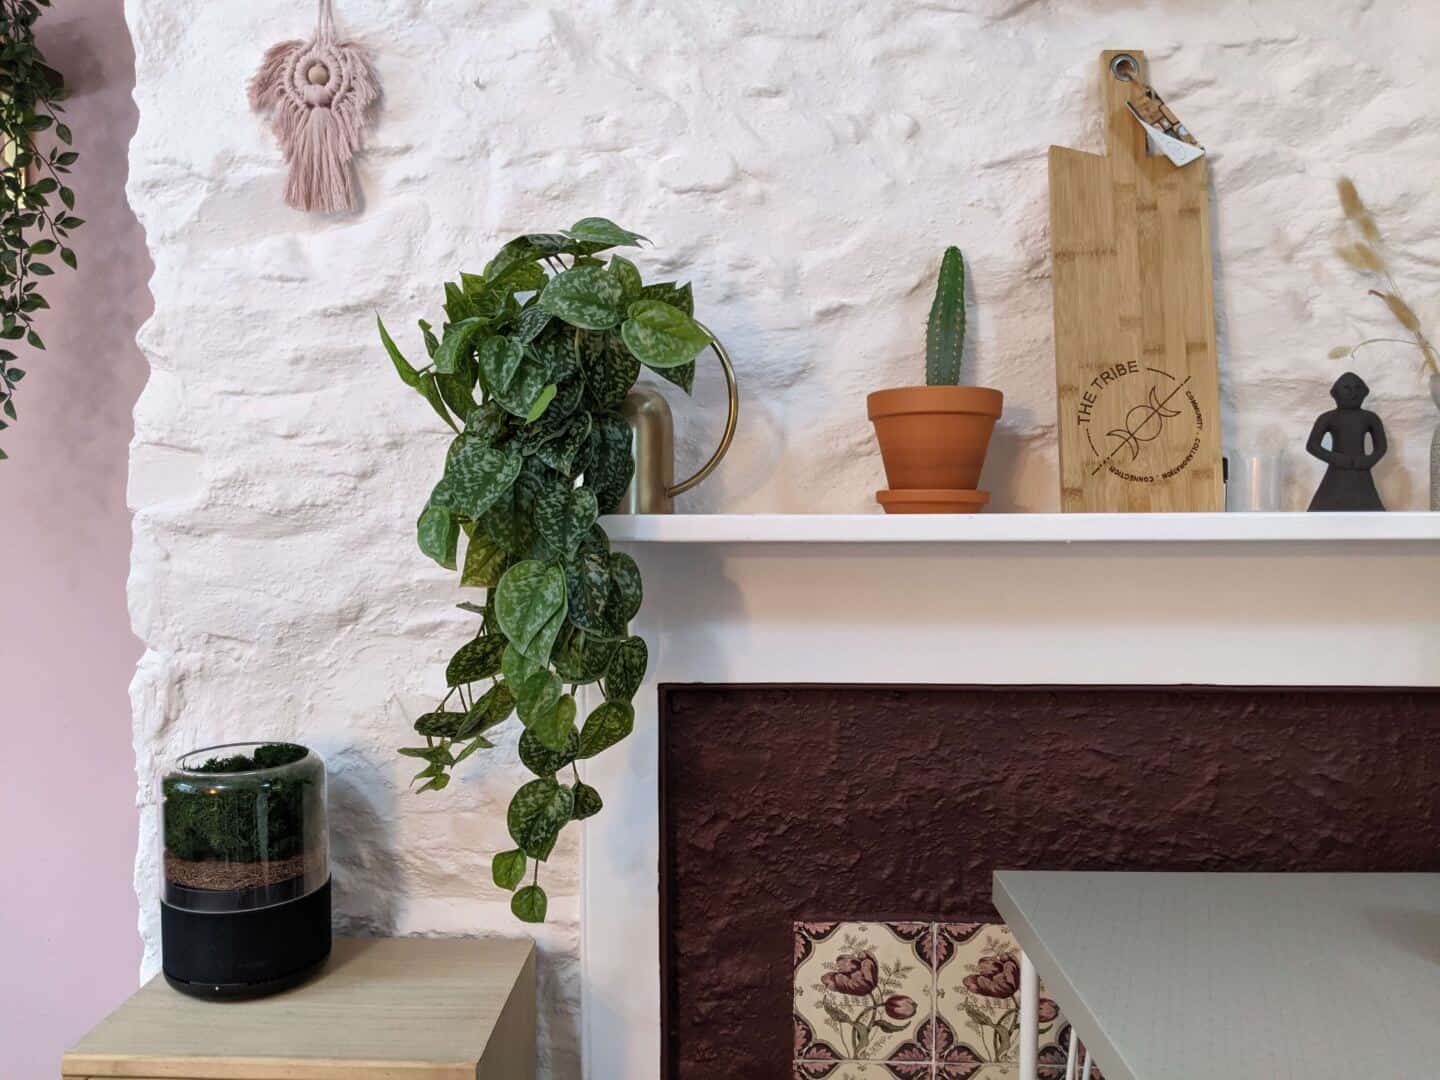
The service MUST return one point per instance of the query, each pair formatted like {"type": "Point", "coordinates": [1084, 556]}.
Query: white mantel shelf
{"type": "Point", "coordinates": [879, 528]}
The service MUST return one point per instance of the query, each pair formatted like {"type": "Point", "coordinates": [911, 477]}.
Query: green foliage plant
{"type": "Point", "coordinates": [35, 159]}
{"type": "Point", "coordinates": [529, 370]}
{"type": "Point", "coordinates": [945, 332]}
{"type": "Point", "coordinates": [238, 822]}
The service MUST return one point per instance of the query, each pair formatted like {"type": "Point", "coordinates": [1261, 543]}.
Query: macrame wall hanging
{"type": "Point", "coordinates": [318, 93]}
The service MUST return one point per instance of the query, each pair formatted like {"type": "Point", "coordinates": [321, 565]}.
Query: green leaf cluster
{"type": "Point", "coordinates": [37, 205]}
{"type": "Point", "coordinates": [529, 369]}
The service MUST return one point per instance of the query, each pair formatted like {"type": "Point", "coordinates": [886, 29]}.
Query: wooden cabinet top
{"type": "Point", "coordinates": [389, 1009]}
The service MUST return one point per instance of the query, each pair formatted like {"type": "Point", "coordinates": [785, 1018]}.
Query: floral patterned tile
{"type": "Point", "coordinates": [864, 994]}
{"type": "Point", "coordinates": [914, 1001]}
{"type": "Point", "coordinates": [977, 992]}
{"type": "Point", "coordinates": [858, 1070]}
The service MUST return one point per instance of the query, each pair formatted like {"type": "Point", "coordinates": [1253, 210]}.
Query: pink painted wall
{"type": "Point", "coordinates": [69, 949]}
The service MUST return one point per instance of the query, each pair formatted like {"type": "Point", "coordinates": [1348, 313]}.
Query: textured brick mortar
{"type": "Point", "coordinates": [803, 163]}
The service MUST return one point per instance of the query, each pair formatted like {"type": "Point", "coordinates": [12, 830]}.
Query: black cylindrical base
{"type": "Point", "coordinates": [240, 954]}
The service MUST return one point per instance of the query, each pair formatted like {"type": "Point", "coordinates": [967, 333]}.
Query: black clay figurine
{"type": "Point", "coordinates": [1347, 484]}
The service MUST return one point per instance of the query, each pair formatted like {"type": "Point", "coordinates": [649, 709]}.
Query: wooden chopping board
{"type": "Point", "coordinates": [1135, 362]}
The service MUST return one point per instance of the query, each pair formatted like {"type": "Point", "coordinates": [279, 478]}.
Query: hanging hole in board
{"type": "Point", "coordinates": [1125, 67]}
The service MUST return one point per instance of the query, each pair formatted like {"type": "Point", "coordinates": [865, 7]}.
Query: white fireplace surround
{"type": "Point", "coordinates": [1307, 600]}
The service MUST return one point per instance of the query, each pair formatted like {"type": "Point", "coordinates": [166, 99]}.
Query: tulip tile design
{"type": "Point", "coordinates": [864, 995]}
{"type": "Point", "coordinates": [914, 1001]}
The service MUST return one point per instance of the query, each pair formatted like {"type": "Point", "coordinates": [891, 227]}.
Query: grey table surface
{"type": "Point", "coordinates": [1241, 976]}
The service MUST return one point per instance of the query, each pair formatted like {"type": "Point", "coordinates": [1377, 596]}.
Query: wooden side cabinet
{"type": "Point", "coordinates": [390, 1009]}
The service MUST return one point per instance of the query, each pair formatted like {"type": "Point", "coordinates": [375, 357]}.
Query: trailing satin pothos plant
{"type": "Point", "coordinates": [36, 202]}
{"type": "Point", "coordinates": [529, 369]}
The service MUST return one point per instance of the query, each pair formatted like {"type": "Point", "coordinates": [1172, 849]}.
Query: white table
{"type": "Point", "coordinates": [1245, 976]}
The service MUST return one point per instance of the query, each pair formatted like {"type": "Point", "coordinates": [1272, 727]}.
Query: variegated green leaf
{"type": "Point", "coordinates": [484, 563]}
{"type": "Point", "coordinates": [563, 453]}
{"type": "Point", "coordinates": [611, 463]}
{"type": "Point", "coordinates": [587, 801]}
{"type": "Point", "coordinates": [489, 709]}
{"type": "Point", "coordinates": [536, 697]}
{"type": "Point", "coordinates": [553, 727]}
{"type": "Point", "coordinates": [476, 659]}
{"type": "Point", "coordinates": [607, 725]}
{"type": "Point", "coordinates": [458, 340]}
{"type": "Point", "coordinates": [662, 336]}
{"type": "Point", "coordinates": [610, 370]}
{"type": "Point", "coordinates": [499, 359]}
{"type": "Point", "coordinates": [627, 669]}
{"type": "Point", "coordinates": [530, 604]}
{"type": "Point", "coordinates": [599, 230]}
{"type": "Point", "coordinates": [475, 477]}
{"type": "Point", "coordinates": [507, 868]}
{"type": "Point", "coordinates": [629, 277]}
{"type": "Point", "coordinates": [536, 815]}
{"type": "Point", "coordinates": [438, 535]}
{"type": "Point", "coordinates": [529, 904]}
{"type": "Point", "coordinates": [563, 516]}
{"type": "Point", "coordinates": [590, 297]}
{"type": "Point", "coordinates": [540, 759]}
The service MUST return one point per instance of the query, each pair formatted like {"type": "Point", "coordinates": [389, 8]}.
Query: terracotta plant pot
{"type": "Point", "coordinates": [934, 439]}
{"type": "Point", "coordinates": [931, 501]}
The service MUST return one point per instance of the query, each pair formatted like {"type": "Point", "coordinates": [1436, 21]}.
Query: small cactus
{"type": "Point", "coordinates": [945, 333]}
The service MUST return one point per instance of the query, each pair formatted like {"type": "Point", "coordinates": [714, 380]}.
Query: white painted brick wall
{"type": "Point", "coordinates": [804, 163]}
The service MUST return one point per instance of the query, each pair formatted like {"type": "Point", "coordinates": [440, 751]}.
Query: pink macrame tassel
{"type": "Point", "coordinates": [318, 92]}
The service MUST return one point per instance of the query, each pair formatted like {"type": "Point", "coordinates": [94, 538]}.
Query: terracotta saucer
{"type": "Point", "coordinates": [932, 501]}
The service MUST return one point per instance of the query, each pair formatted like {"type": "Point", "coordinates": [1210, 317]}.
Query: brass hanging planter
{"type": "Point", "coordinates": [652, 440]}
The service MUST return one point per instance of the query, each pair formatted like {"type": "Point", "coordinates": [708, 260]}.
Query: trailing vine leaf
{"type": "Point", "coordinates": [579, 658]}
{"type": "Point", "coordinates": [563, 452]}
{"type": "Point", "coordinates": [537, 696]}
{"type": "Point", "coordinates": [507, 868]}
{"type": "Point", "coordinates": [455, 346]}
{"type": "Point", "coordinates": [439, 725]}
{"type": "Point", "coordinates": [516, 667]}
{"type": "Point", "coordinates": [626, 670]}
{"type": "Point", "coordinates": [491, 708]}
{"type": "Point", "coordinates": [563, 516]}
{"type": "Point", "coordinates": [484, 563]}
{"type": "Point", "coordinates": [628, 275]}
{"type": "Point", "coordinates": [662, 336]}
{"type": "Point", "coordinates": [611, 464]}
{"type": "Point", "coordinates": [587, 801]}
{"type": "Point", "coordinates": [499, 360]}
{"type": "Point", "coordinates": [610, 370]}
{"type": "Point", "coordinates": [591, 298]}
{"type": "Point", "coordinates": [530, 603]}
{"type": "Point", "coordinates": [477, 659]}
{"type": "Point", "coordinates": [424, 385]}
{"type": "Point", "coordinates": [610, 722]}
{"type": "Point", "coordinates": [475, 477]}
{"type": "Point", "coordinates": [529, 382]}
{"type": "Point", "coordinates": [537, 813]}
{"type": "Point", "coordinates": [34, 175]}
{"type": "Point", "coordinates": [553, 727]}
{"type": "Point", "coordinates": [438, 535]}
{"type": "Point", "coordinates": [543, 761]}
{"type": "Point", "coordinates": [599, 230]}
{"type": "Point", "coordinates": [529, 904]}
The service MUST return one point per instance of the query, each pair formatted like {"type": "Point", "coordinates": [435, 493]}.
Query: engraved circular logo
{"type": "Point", "coordinates": [1151, 403]}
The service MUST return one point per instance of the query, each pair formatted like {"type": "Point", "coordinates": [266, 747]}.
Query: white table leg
{"type": "Point", "coordinates": [1029, 1019]}
{"type": "Point", "coordinates": [1085, 1072]}
{"type": "Point", "coordinates": [1070, 1056]}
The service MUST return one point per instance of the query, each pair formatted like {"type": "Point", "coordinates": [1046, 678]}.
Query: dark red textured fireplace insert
{"type": "Point", "coordinates": [893, 804]}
